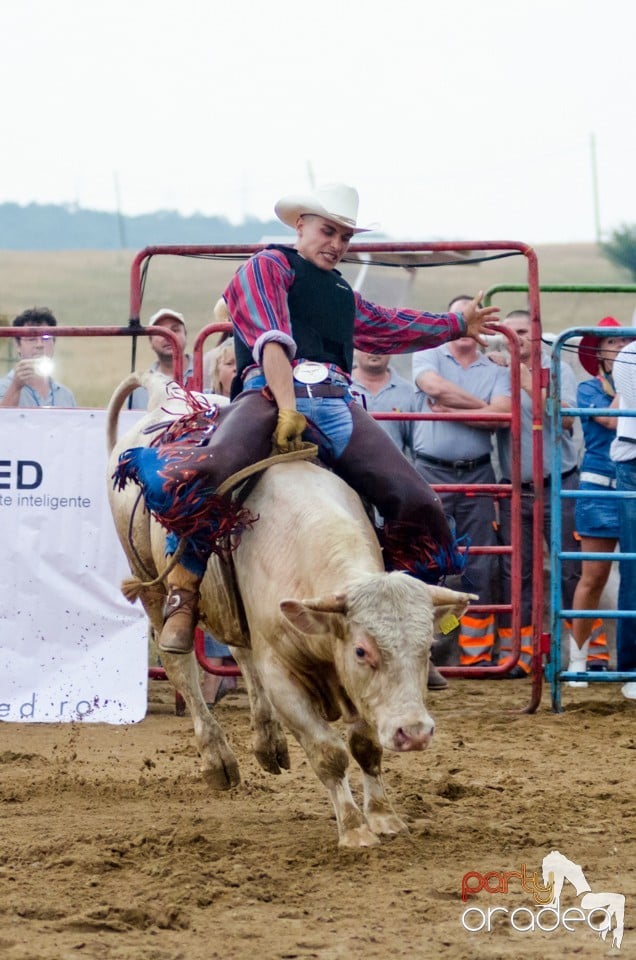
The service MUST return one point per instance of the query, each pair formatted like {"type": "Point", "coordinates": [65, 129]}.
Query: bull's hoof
{"type": "Point", "coordinates": [270, 748]}
{"type": "Point", "coordinates": [273, 762]}
{"type": "Point", "coordinates": [360, 836]}
{"type": "Point", "coordinates": [386, 824]}
{"type": "Point", "coordinates": [222, 777]}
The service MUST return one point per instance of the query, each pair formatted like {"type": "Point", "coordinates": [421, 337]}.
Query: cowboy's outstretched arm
{"type": "Point", "coordinates": [476, 317]}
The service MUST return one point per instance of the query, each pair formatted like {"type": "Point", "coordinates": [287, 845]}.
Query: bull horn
{"type": "Point", "coordinates": [442, 595]}
{"type": "Point", "coordinates": [330, 603]}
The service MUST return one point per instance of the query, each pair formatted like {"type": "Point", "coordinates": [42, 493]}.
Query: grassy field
{"type": "Point", "coordinates": [91, 288]}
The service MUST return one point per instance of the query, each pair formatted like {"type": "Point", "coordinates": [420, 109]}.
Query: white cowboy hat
{"type": "Point", "coordinates": [335, 202]}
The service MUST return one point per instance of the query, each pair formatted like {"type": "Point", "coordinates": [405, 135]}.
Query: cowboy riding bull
{"type": "Point", "coordinates": [326, 629]}
{"type": "Point", "coordinates": [319, 629]}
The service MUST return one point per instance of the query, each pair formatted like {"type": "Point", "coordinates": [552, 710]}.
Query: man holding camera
{"type": "Point", "coordinates": [30, 383]}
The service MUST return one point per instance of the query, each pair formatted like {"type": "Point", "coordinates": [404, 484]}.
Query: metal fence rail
{"type": "Point", "coordinates": [513, 490]}
{"type": "Point", "coordinates": [555, 675]}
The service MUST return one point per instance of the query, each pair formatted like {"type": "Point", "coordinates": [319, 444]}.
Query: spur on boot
{"type": "Point", "coordinates": [180, 618]}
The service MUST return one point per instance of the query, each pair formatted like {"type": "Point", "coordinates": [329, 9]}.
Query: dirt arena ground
{"type": "Point", "coordinates": [112, 847]}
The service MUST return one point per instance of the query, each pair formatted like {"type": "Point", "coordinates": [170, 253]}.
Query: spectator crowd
{"type": "Point", "coordinates": [461, 377]}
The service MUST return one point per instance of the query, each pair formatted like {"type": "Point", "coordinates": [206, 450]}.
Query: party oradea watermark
{"type": "Point", "coordinates": [600, 912]}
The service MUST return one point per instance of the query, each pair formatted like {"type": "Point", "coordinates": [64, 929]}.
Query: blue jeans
{"type": "Point", "coordinates": [330, 425]}
{"type": "Point", "coordinates": [626, 628]}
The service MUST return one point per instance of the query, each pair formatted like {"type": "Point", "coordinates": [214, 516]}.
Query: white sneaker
{"type": "Point", "coordinates": [629, 690]}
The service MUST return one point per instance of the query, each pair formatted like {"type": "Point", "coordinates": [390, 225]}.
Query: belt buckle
{"type": "Point", "coordinates": [309, 372]}
{"type": "Point", "coordinates": [459, 465]}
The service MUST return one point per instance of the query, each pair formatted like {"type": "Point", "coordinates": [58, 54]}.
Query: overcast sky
{"type": "Point", "coordinates": [455, 119]}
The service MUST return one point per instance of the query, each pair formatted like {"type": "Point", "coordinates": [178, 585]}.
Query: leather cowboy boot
{"type": "Point", "coordinates": [180, 611]}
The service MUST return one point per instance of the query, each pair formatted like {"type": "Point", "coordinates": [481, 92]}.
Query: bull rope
{"type": "Point", "coordinates": [131, 587]}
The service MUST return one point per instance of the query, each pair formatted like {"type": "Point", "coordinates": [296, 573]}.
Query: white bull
{"type": "Point", "coordinates": [357, 650]}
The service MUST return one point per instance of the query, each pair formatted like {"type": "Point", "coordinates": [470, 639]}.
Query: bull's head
{"type": "Point", "coordinates": [382, 645]}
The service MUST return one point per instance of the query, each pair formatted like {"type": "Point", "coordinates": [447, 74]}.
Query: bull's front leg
{"type": "Point", "coordinates": [325, 751]}
{"type": "Point", "coordinates": [367, 752]}
{"type": "Point", "coordinates": [218, 764]}
{"type": "Point", "coordinates": [268, 738]}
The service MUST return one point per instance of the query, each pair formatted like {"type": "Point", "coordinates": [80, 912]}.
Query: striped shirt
{"type": "Point", "coordinates": [257, 301]}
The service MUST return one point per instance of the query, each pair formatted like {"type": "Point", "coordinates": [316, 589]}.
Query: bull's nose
{"type": "Point", "coordinates": [416, 737]}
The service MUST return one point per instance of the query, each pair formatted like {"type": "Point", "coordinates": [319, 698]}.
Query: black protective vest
{"type": "Point", "coordinates": [322, 311]}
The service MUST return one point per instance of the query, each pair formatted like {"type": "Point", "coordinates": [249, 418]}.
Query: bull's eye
{"type": "Point", "coordinates": [360, 653]}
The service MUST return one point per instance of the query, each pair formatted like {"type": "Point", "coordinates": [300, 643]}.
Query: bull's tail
{"type": "Point", "coordinates": [132, 587]}
{"type": "Point", "coordinates": [117, 401]}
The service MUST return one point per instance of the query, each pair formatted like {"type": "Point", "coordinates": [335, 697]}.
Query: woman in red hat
{"type": "Point", "coordinates": [596, 518]}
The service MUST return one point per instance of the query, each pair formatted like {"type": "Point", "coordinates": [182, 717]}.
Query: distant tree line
{"type": "Point", "coordinates": [620, 249]}
{"type": "Point", "coordinates": [37, 226]}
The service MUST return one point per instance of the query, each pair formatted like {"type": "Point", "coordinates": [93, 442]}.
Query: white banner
{"type": "Point", "coordinates": [72, 647]}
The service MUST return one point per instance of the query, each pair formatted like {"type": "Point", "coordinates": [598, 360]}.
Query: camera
{"type": "Point", "coordinates": [44, 366]}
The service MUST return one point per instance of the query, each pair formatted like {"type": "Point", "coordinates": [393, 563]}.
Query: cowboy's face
{"type": "Point", "coordinates": [321, 242]}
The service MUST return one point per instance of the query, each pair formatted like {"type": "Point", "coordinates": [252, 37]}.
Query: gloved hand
{"type": "Point", "coordinates": [289, 431]}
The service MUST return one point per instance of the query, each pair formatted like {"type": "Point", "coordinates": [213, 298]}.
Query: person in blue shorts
{"type": "Point", "coordinates": [596, 519]}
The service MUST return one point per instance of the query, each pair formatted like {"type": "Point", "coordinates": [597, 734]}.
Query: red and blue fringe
{"type": "Point", "coordinates": [184, 501]}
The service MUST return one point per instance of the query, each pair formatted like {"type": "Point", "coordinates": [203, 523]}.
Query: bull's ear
{"type": "Point", "coordinates": [313, 616]}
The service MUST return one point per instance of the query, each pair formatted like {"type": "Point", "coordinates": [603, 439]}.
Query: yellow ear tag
{"type": "Point", "coordinates": [447, 623]}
